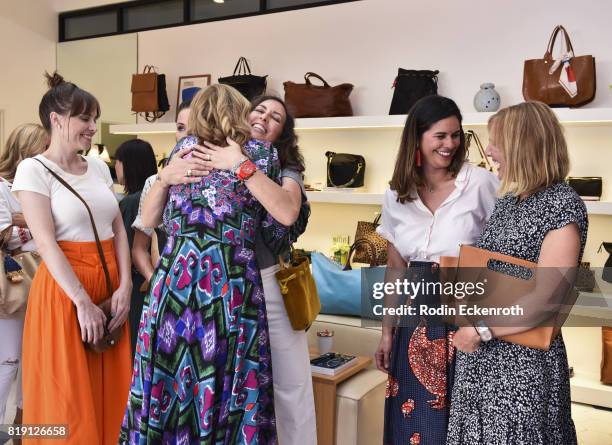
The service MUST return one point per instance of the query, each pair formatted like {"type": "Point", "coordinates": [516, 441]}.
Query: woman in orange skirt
{"type": "Point", "coordinates": [64, 382]}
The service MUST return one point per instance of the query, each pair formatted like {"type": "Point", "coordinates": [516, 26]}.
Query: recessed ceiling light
{"type": "Point", "coordinates": [219, 1]}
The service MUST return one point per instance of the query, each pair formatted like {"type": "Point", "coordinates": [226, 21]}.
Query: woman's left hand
{"type": "Point", "coordinates": [466, 339]}
{"type": "Point", "coordinates": [221, 158]}
{"type": "Point", "coordinates": [120, 307]}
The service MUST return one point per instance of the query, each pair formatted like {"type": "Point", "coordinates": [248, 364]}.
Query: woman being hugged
{"type": "Point", "coordinates": [202, 369]}
{"type": "Point", "coordinates": [25, 141]}
{"type": "Point", "coordinates": [506, 393]}
{"type": "Point", "coordinates": [436, 202]}
{"type": "Point", "coordinates": [293, 394]}
{"type": "Point", "coordinates": [64, 382]}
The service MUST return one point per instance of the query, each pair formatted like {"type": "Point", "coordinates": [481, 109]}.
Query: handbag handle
{"type": "Point", "coordinates": [242, 67]}
{"type": "Point", "coordinates": [373, 262]}
{"type": "Point", "coordinates": [377, 219]}
{"type": "Point", "coordinates": [471, 135]}
{"type": "Point", "coordinates": [553, 38]}
{"type": "Point", "coordinates": [309, 74]}
{"type": "Point", "coordinates": [109, 287]}
{"type": "Point", "coordinates": [149, 69]}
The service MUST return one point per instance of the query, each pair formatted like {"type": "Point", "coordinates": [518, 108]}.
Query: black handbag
{"type": "Point", "coordinates": [410, 86]}
{"type": "Point", "coordinates": [607, 270]}
{"type": "Point", "coordinates": [345, 170]}
{"type": "Point", "coordinates": [587, 187]}
{"type": "Point", "coordinates": [249, 85]}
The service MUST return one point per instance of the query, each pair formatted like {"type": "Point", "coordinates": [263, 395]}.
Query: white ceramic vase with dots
{"type": "Point", "coordinates": [487, 99]}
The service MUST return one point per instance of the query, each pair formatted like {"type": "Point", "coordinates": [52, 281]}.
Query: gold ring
{"type": "Point", "coordinates": [188, 172]}
{"type": "Point", "coordinates": [208, 157]}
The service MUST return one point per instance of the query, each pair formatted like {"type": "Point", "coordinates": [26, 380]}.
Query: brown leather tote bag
{"type": "Point", "coordinates": [606, 357]}
{"type": "Point", "coordinates": [308, 100]}
{"type": "Point", "coordinates": [541, 81]}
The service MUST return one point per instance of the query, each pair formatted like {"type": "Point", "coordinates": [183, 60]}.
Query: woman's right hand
{"type": "Point", "coordinates": [91, 320]}
{"type": "Point", "coordinates": [184, 171]}
{"type": "Point", "coordinates": [383, 352]}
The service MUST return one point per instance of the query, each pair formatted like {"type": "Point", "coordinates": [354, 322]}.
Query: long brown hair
{"type": "Point", "coordinates": [25, 141]}
{"type": "Point", "coordinates": [423, 114]}
{"type": "Point", "coordinates": [287, 143]}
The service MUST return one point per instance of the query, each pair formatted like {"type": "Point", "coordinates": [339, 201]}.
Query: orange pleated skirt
{"type": "Point", "coordinates": [63, 382]}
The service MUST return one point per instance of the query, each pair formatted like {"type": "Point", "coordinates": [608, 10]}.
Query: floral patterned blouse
{"type": "Point", "coordinates": [220, 207]}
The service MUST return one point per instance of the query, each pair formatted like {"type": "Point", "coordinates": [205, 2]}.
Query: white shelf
{"type": "Point", "coordinates": [567, 116]}
{"type": "Point", "coordinates": [346, 197]}
{"type": "Point", "coordinates": [599, 207]}
{"type": "Point", "coordinates": [155, 128]}
{"type": "Point", "coordinates": [590, 391]}
{"type": "Point", "coordinates": [593, 207]}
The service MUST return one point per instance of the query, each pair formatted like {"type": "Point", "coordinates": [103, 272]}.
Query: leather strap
{"type": "Point", "coordinates": [352, 250]}
{"type": "Point", "coordinates": [109, 287]}
{"type": "Point", "coordinates": [471, 135]}
{"type": "Point", "coordinates": [308, 75]}
{"type": "Point", "coordinates": [553, 38]}
{"type": "Point", "coordinates": [242, 67]}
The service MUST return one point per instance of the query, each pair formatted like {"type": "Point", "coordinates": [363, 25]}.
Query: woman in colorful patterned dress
{"type": "Point", "coordinates": [436, 202]}
{"type": "Point", "coordinates": [202, 369]}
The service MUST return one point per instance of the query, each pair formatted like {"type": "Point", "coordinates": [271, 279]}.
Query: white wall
{"type": "Point", "coordinates": [104, 67]}
{"type": "Point", "coordinates": [28, 33]}
{"type": "Point", "coordinates": [364, 42]}
{"type": "Point", "coordinates": [470, 42]}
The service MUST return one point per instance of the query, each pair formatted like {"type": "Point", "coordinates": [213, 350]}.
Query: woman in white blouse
{"type": "Point", "coordinates": [436, 202]}
{"type": "Point", "coordinates": [25, 141]}
{"type": "Point", "coordinates": [63, 381]}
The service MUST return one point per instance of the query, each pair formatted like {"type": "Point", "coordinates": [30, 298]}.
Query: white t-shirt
{"type": "Point", "coordinates": [20, 238]}
{"type": "Point", "coordinates": [419, 235]}
{"type": "Point", "coordinates": [70, 216]}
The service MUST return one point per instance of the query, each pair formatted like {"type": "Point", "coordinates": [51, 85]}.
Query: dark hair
{"type": "Point", "coordinates": [184, 105]}
{"type": "Point", "coordinates": [423, 114]}
{"type": "Point", "coordinates": [138, 161]}
{"type": "Point", "coordinates": [287, 143]}
{"type": "Point", "coordinates": [65, 97]}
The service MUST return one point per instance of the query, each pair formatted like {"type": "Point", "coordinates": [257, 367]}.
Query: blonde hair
{"type": "Point", "coordinates": [25, 141]}
{"type": "Point", "coordinates": [218, 112]}
{"type": "Point", "coordinates": [534, 147]}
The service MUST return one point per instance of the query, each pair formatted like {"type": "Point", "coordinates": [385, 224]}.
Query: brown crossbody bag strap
{"type": "Point", "coordinates": [109, 286]}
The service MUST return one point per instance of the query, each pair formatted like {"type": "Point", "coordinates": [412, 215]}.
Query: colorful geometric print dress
{"type": "Point", "coordinates": [202, 371]}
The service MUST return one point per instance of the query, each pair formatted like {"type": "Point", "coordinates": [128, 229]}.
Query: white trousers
{"type": "Point", "coordinates": [11, 330]}
{"type": "Point", "coordinates": [293, 397]}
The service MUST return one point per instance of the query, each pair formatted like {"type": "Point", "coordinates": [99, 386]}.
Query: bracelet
{"type": "Point", "coordinates": [246, 170]}
{"type": "Point", "coordinates": [237, 165]}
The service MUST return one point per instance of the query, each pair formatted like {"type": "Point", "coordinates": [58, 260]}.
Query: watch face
{"type": "Point", "coordinates": [486, 335]}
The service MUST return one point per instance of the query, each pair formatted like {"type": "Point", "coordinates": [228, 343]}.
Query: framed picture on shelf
{"type": "Point", "coordinates": [188, 86]}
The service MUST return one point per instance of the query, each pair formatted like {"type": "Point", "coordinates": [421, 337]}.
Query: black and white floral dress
{"type": "Point", "coordinates": [507, 394]}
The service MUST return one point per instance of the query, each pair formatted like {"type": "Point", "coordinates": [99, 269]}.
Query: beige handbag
{"type": "Point", "coordinates": [15, 284]}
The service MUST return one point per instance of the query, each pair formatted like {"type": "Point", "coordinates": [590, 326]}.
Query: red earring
{"type": "Point", "coordinates": [418, 158]}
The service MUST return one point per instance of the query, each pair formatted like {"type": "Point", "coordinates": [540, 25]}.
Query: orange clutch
{"type": "Point", "coordinates": [460, 268]}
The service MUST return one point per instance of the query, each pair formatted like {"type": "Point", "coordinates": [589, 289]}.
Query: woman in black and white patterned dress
{"type": "Point", "coordinates": [506, 393]}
